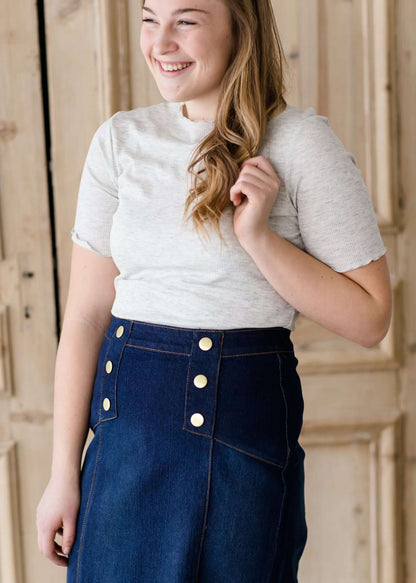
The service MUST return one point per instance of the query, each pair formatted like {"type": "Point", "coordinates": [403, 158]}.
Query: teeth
{"type": "Point", "coordinates": [176, 67]}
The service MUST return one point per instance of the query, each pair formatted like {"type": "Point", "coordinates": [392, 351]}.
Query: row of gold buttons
{"type": "Point", "coordinates": [201, 381]}
{"type": "Point", "coordinates": [109, 368]}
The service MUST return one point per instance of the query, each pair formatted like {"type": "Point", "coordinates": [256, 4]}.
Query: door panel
{"type": "Point", "coordinates": [355, 63]}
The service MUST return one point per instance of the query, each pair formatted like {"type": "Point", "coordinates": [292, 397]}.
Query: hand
{"type": "Point", "coordinates": [253, 195]}
{"type": "Point", "coordinates": [57, 513]}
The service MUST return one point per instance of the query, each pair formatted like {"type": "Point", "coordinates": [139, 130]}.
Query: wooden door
{"type": "Point", "coordinates": [28, 336]}
{"type": "Point", "coordinates": [355, 62]}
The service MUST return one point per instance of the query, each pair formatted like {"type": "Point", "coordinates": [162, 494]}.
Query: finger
{"type": "Point", "coordinates": [69, 535]}
{"type": "Point", "coordinates": [244, 187]}
{"type": "Point", "coordinates": [255, 171]}
{"type": "Point", "coordinates": [259, 162]}
{"type": "Point", "coordinates": [250, 180]}
{"type": "Point", "coordinates": [49, 548]}
{"type": "Point", "coordinates": [236, 193]}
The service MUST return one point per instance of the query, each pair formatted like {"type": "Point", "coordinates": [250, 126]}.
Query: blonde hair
{"type": "Point", "coordinates": [251, 93]}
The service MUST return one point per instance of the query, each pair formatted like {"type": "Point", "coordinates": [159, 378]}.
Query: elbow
{"type": "Point", "coordinates": [375, 330]}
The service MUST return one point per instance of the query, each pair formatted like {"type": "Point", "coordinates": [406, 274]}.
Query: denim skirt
{"type": "Point", "coordinates": [194, 473]}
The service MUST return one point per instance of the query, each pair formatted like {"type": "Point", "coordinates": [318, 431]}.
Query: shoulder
{"type": "Point", "coordinates": [304, 138]}
{"type": "Point", "coordinates": [296, 128]}
{"type": "Point", "coordinates": [146, 120]}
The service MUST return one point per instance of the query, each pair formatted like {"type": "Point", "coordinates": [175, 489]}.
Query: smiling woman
{"type": "Point", "coordinates": [188, 51]}
{"type": "Point", "coordinates": [195, 472]}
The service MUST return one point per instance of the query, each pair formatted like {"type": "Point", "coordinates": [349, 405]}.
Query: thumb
{"type": "Point", "coordinates": [68, 536]}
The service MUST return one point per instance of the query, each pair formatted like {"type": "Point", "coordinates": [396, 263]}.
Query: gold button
{"type": "Point", "coordinates": [120, 331]}
{"type": "Point", "coordinates": [200, 381]}
{"type": "Point", "coordinates": [197, 419]}
{"type": "Point", "coordinates": [106, 404]}
{"type": "Point", "coordinates": [205, 343]}
{"type": "Point", "coordinates": [108, 366]}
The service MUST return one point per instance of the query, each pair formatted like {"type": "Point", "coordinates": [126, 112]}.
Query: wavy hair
{"type": "Point", "coordinates": [251, 93]}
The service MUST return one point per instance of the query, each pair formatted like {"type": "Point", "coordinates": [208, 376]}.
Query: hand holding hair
{"type": "Point", "coordinates": [253, 195]}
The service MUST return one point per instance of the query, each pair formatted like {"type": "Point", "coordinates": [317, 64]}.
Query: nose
{"type": "Point", "coordinates": [165, 41]}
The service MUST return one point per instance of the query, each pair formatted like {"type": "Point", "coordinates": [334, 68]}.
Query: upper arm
{"type": "Point", "coordinates": [91, 290]}
{"type": "Point", "coordinates": [336, 217]}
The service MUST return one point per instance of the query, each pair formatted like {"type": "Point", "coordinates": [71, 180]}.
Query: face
{"type": "Point", "coordinates": [187, 45]}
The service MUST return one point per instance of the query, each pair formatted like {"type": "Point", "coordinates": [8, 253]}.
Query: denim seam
{"type": "Point", "coordinates": [222, 356]}
{"type": "Point", "coordinates": [102, 384]}
{"type": "Point", "coordinates": [256, 353]}
{"type": "Point", "coordinates": [116, 373]}
{"type": "Point", "coordinates": [207, 498]}
{"type": "Point", "coordinates": [283, 471]}
{"type": "Point", "coordinates": [210, 457]}
{"type": "Point", "coordinates": [186, 395]}
{"type": "Point", "coordinates": [279, 465]}
{"type": "Point", "coordinates": [180, 328]}
{"type": "Point", "coordinates": [84, 522]}
{"type": "Point", "coordinates": [157, 349]}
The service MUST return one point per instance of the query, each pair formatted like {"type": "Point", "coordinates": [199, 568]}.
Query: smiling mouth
{"type": "Point", "coordinates": [173, 67]}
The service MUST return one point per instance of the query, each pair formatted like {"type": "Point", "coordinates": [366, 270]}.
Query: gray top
{"type": "Point", "coordinates": [131, 201]}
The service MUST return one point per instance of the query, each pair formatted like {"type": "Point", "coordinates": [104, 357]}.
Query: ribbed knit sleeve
{"type": "Point", "coordinates": [98, 194]}
{"type": "Point", "coordinates": [336, 217]}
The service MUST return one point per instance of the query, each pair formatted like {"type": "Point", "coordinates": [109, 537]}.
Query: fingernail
{"type": "Point", "coordinates": [66, 550]}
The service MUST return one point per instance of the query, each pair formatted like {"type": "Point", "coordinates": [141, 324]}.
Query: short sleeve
{"type": "Point", "coordinates": [97, 195]}
{"type": "Point", "coordinates": [336, 217]}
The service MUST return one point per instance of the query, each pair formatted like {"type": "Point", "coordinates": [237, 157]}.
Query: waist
{"type": "Point", "coordinates": [234, 341]}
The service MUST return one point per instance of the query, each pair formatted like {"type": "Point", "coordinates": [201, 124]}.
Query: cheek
{"type": "Point", "coordinates": [144, 44]}
{"type": "Point", "coordinates": [224, 44]}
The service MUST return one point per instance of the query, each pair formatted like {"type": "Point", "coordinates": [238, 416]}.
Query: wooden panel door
{"type": "Point", "coordinates": [355, 63]}
{"type": "Point", "coordinates": [28, 336]}
{"type": "Point", "coordinates": [345, 63]}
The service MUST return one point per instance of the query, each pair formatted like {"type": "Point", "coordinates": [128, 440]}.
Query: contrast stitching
{"type": "Point", "coordinates": [207, 497]}
{"type": "Point", "coordinates": [88, 505]}
{"type": "Point", "coordinates": [282, 390]}
{"type": "Point", "coordinates": [281, 466]}
{"type": "Point", "coordinates": [102, 384]}
{"type": "Point", "coordinates": [285, 466]}
{"type": "Point", "coordinates": [255, 353]}
{"type": "Point", "coordinates": [228, 331]}
{"type": "Point", "coordinates": [157, 349]}
{"type": "Point", "coordinates": [278, 525]}
{"type": "Point", "coordinates": [186, 394]}
{"type": "Point", "coordinates": [222, 356]}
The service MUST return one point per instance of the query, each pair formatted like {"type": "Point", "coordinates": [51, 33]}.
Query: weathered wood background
{"type": "Point", "coordinates": [66, 66]}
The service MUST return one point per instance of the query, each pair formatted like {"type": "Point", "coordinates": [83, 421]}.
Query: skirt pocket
{"type": "Point", "coordinates": [252, 406]}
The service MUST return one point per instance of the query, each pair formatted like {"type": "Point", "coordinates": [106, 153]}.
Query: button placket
{"type": "Point", "coordinates": [201, 389]}
{"type": "Point", "coordinates": [116, 346]}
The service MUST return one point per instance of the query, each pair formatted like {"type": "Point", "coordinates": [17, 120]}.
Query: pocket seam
{"type": "Point", "coordinates": [249, 453]}
{"type": "Point", "coordinates": [279, 363]}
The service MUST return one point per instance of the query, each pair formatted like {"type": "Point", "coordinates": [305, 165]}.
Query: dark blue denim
{"type": "Point", "coordinates": [166, 501]}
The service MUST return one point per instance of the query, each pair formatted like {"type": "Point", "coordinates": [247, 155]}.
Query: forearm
{"type": "Point", "coordinates": [75, 370]}
{"type": "Point", "coordinates": [329, 298]}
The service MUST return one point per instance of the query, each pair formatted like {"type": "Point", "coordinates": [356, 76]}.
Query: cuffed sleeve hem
{"type": "Point", "coordinates": [358, 262]}
{"type": "Point", "coordinates": [87, 245]}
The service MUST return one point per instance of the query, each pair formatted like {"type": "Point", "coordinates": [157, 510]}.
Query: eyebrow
{"type": "Point", "coordinates": [179, 10]}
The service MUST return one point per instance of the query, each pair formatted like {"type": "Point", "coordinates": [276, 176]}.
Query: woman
{"type": "Point", "coordinates": [186, 373]}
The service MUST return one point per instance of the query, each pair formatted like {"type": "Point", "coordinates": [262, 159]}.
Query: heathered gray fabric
{"type": "Point", "coordinates": [131, 203]}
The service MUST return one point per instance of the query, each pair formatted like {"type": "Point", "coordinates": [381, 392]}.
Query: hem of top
{"type": "Point", "coordinates": [361, 262]}
{"type": "Point", "coordinates": [202, 329]}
